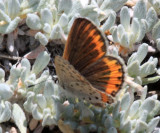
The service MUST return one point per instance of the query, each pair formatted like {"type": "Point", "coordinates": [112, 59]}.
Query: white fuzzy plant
{"type": "Point", "coordinates": [31, 91]}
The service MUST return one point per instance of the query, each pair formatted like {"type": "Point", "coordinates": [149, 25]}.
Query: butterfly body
{"type": "Point", "coordinates": [84, 70]}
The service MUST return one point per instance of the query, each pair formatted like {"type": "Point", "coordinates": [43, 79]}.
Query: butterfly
{"type": "Point", "coordinates": [85, 70]}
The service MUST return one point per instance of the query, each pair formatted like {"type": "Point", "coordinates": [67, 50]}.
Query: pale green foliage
{"type": "Point", "coordinates": [127, 34]}
{"type": "Point", "coordinates": [140, 71]}
{"type": "Point", "coordinates": [31, 91]}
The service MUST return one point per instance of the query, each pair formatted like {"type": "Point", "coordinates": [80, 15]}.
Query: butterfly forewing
{"type": "Point", "coordinates": [85, 44]}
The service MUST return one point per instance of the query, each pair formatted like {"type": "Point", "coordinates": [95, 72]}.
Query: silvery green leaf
{"type": "Point", "coordinates": [33, 21]}
{"type": "Point", "coordinates": [115, 111]}
{"type": "Point", "coordinates": [156, 110]}
{"type": "Point", "coordinates": [42, 4]}
{"type": "Point", "coordinates": [56, 32]}
{"type": "Point", "coordinates": [75, 9]}
{"type": "Point", "coordinates": [24, 73]}
{"type": "Point", "coordinates": [46, 16]}
{"type": "Point", "coordinates": [140, 10]}
{"type": "Point", "coordinates": [115, 34]}
{"type": "Point", "coordinates": [49, 89]}
{"type": "Point", "coordinates": [144, 115]}
{"type": "Point", "coordinates": [46, 111]}
{"type": "Point", "coordinates": [54, 13]}
{"type": "Point", "coordinates": [30, 79]}
{"type": "Point", "coordinates": [89, 13]}
{"type": "Point", "coordinates": [125, 102]}
{"type": "Point", "coordinates": [69, 110]}
{"type": "Point", "coordinates": [41, 101]}
{"type": "Point", "coordinates": [114, 5]}
{"type": "Point", "coordinates": [63, 20]}
{"type": "Point", "coordinates": [138, 80]}
{"type": "Point", "coordinates": [8, 28]}
{"type": "Point", "coordinates": [140, 127]}
{"type": "Point", "coordinates": [152, 124]}
{"type": "Point", "coordinates": [25, 63]}
{"type": "Point", "coordinates": [2, 73]}
{"type": "Point", "coordinates": [86, 112]}
{"type": "Point", "coordinates": [42, 38]}
{"type": "Point", "coordinates": [5, 111]}
{"type": "Point", "coordinates": [36, 113]}
{"type": "Point", "coordinates": [4, 17]}
{"type": "Point", "coordinates": [131, 39]}
{"type": "Point", "coordinates": [144, 93]}
{"type": "Point", "coordinates": [134, 108]}
{"type": "Point", "coordinates": [133, 69]}
{"type": "Point", "coordinates": [125, 18]}
{"type": "Point", "coordinates": [41, 62]}
{"type": "Point", "coordinates": [112, 130]}
{"type": "Point", "coordinates": [65, 6]}
{"type": "Point", "coordinates": [147, 105]}
{"type": "Point", "coordinates": [45, 74]}
{"type": "Point", "coordinates": [124, 41]}
{"type": "Point", "coordinates": [154, 61]}
{"type": "Point", "coordinates": [151, 18]}
{"type": "Point", "coordinates": [142, 30]}
{"type": "Point", "coordinates": [28, 104]}
{"type": "Point", "coordinates": [120, 30]}
{"type": "Point", "coordinates": [155, 4]}
{"type": "Point", "coordinates": [150, 80]}
{"type": "Point", "coordinates": [147, 68]}
{"type": "Point", "coordinates": [19, 118]}
{"type": "Point", "coordinates": [14, 74]}
{"type": "Point", "coordinates": [122, 117]}
{"type": "Point", "coordinates": [13, 8]}
{"type": "Point", "coordinates": [132, 58]}
{"type": "Point", "coordinates": [109, 22]}
{"type": "Point", "coordinates": [108, 122]}
{"type": "Point", "coordinates": [5, 91]}
{"type": "Point", "coordinates": [47, 28]}
{"type": "Point", "coordinates": [126, 128]}
{"type": "Point", "coordinates": [39, 84]}
{"type": "Point", "coordinates": [48, 120]}
{"type": "Point", "coordinates": [135, 27]}
{"type": "Point", "coordinates": [142, 52]}
{"type": "Point", "coordinates": [156, 31]}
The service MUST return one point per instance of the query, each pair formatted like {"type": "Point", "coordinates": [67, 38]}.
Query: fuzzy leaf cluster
{"type": "Point", "coordinates": [143, 20]}
{"type": "Point", "coordinates": [138, 70]}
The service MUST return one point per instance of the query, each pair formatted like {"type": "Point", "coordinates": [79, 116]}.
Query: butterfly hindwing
{"type": "Point", "coordinates": [85, 44]}
{"type": "Point", "coordinates": [107, 74]}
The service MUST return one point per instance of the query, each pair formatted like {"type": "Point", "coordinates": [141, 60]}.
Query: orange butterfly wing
{"type": "Point", "coordinates": [85, 44]}
{"type": "Point", "coordinates": [107, 74]}
{"type": "Point", "coordinates": [85, 50]}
